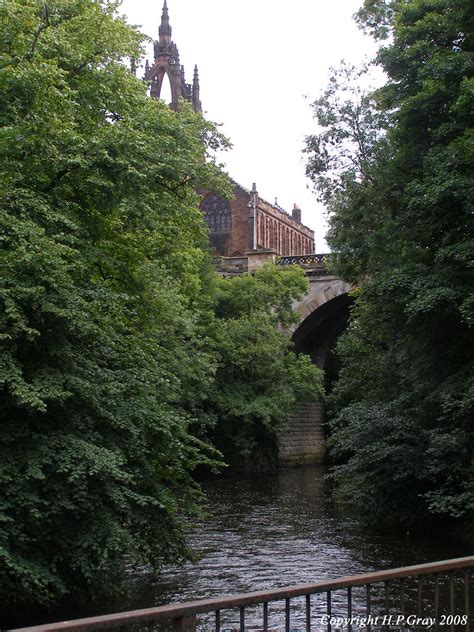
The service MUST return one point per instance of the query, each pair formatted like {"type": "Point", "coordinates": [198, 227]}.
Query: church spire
{"type": "Point", "coordinates": [165, 29]}
{"type": "Point", "coordinates": [197, 107]}
{"type": "Point", "coordinates": [167, 65]}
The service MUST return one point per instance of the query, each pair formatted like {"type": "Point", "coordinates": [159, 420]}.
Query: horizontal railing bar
{"type": "Point", "coordinates": [190, 608]}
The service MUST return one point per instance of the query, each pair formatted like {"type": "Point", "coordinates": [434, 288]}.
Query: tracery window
{"type": "Point", "coordinates": [216, 212]}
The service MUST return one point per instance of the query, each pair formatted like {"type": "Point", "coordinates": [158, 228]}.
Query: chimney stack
{"type": "Point", "coordinates": [296, 213]}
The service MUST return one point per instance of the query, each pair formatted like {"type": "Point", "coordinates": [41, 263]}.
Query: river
{"type": "Point", "coordinates": [275, 530]}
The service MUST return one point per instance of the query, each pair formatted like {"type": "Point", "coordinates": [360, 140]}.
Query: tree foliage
{"type": "Point", "coordinates": [104, 279]}
{"type": "Point", "coordinates": [348, 144]}
{"type": "Point", "coordinates": [401, 228]}
{"type": "Point", "coordinates": [259, 377]}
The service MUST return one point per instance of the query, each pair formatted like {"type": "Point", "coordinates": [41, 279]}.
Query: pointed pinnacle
{"type": "Point", "coordinates": [165, 28]}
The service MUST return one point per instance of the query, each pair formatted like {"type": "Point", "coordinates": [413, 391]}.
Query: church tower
{"type": "Point", "coordinates": [167, 63]}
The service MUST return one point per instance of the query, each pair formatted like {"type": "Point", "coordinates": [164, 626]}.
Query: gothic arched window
{"type": "Point", "coordinates": [216, 212]}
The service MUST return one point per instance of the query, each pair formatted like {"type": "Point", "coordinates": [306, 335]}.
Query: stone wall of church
{"type": "Point", "coordinates": [231, 225]}
{"type": "Point", "coordinates": [282, 232]}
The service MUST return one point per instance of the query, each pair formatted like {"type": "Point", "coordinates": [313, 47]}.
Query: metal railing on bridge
{"type": "Point", "coordinates": [434, 596]}
{"type": "Point", "coordinates": [314, 260]}
{"type": "Point", "coordinates": [314, 264]}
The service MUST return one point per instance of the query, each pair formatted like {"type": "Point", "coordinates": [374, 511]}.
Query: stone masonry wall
{"type": "Point", "coordinates": [276, 229]}
{"type": "Point", "coordinates": [302, 442]}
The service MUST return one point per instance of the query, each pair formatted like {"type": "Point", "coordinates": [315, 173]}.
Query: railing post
{"type": "Point", "coordinates": [329, 609]}
{"type": "Point", "coordinates": [451, 598]}
{"type": "Point", "coordinates": [184, 624]}
{"type": "Point", "coordinates": [466, 600]}
{"type": "Point", "coordinates": [265, 616]}
{"type": "Point", "coordinates": [436, 601]}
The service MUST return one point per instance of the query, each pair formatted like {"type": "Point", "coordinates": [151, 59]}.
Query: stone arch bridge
{"type": "Point", "coordinates": [324, 315]}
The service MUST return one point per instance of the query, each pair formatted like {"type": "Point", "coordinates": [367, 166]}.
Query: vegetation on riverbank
{"type": "Point", "coordinates": [395, 168]}
{"type": "Point", "coordinates": [120, 349]}
{"type": "Point", "coordinates": [259, 378]}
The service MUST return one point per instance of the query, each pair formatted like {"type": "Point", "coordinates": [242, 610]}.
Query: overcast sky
{"type": "Point", "coordinates": [261, 63]}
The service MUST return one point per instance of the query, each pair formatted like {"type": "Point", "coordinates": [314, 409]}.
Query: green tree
{"type": "Point", "coordinates": [104, 291]}
{"type": "Point", "coordinates": [401, 227]}
{"type": "Point", "coordinates": [258, 377]}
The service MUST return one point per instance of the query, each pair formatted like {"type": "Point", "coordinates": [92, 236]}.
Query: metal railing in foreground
{"type": "Point", "coordinates": [434, 596]}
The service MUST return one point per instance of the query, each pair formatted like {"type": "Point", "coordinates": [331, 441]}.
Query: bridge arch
{"type": "Point", "coordinates": [324, 315]}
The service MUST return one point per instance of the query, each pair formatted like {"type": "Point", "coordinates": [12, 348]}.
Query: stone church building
{"type": "Point", "coordinates": [246, 223]}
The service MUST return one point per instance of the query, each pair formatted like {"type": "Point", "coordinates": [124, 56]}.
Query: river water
{"type": "Point", "coordinates": [279, 530]}
{"type": "Point", "coordinates": [276, 530]}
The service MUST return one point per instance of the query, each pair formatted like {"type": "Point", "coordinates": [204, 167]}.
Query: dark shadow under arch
{"type": "Point", "coordinates": [318, 333]}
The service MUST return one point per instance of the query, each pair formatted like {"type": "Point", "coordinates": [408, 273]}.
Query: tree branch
{"type": "Point", "coordinates": [42, 27]}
